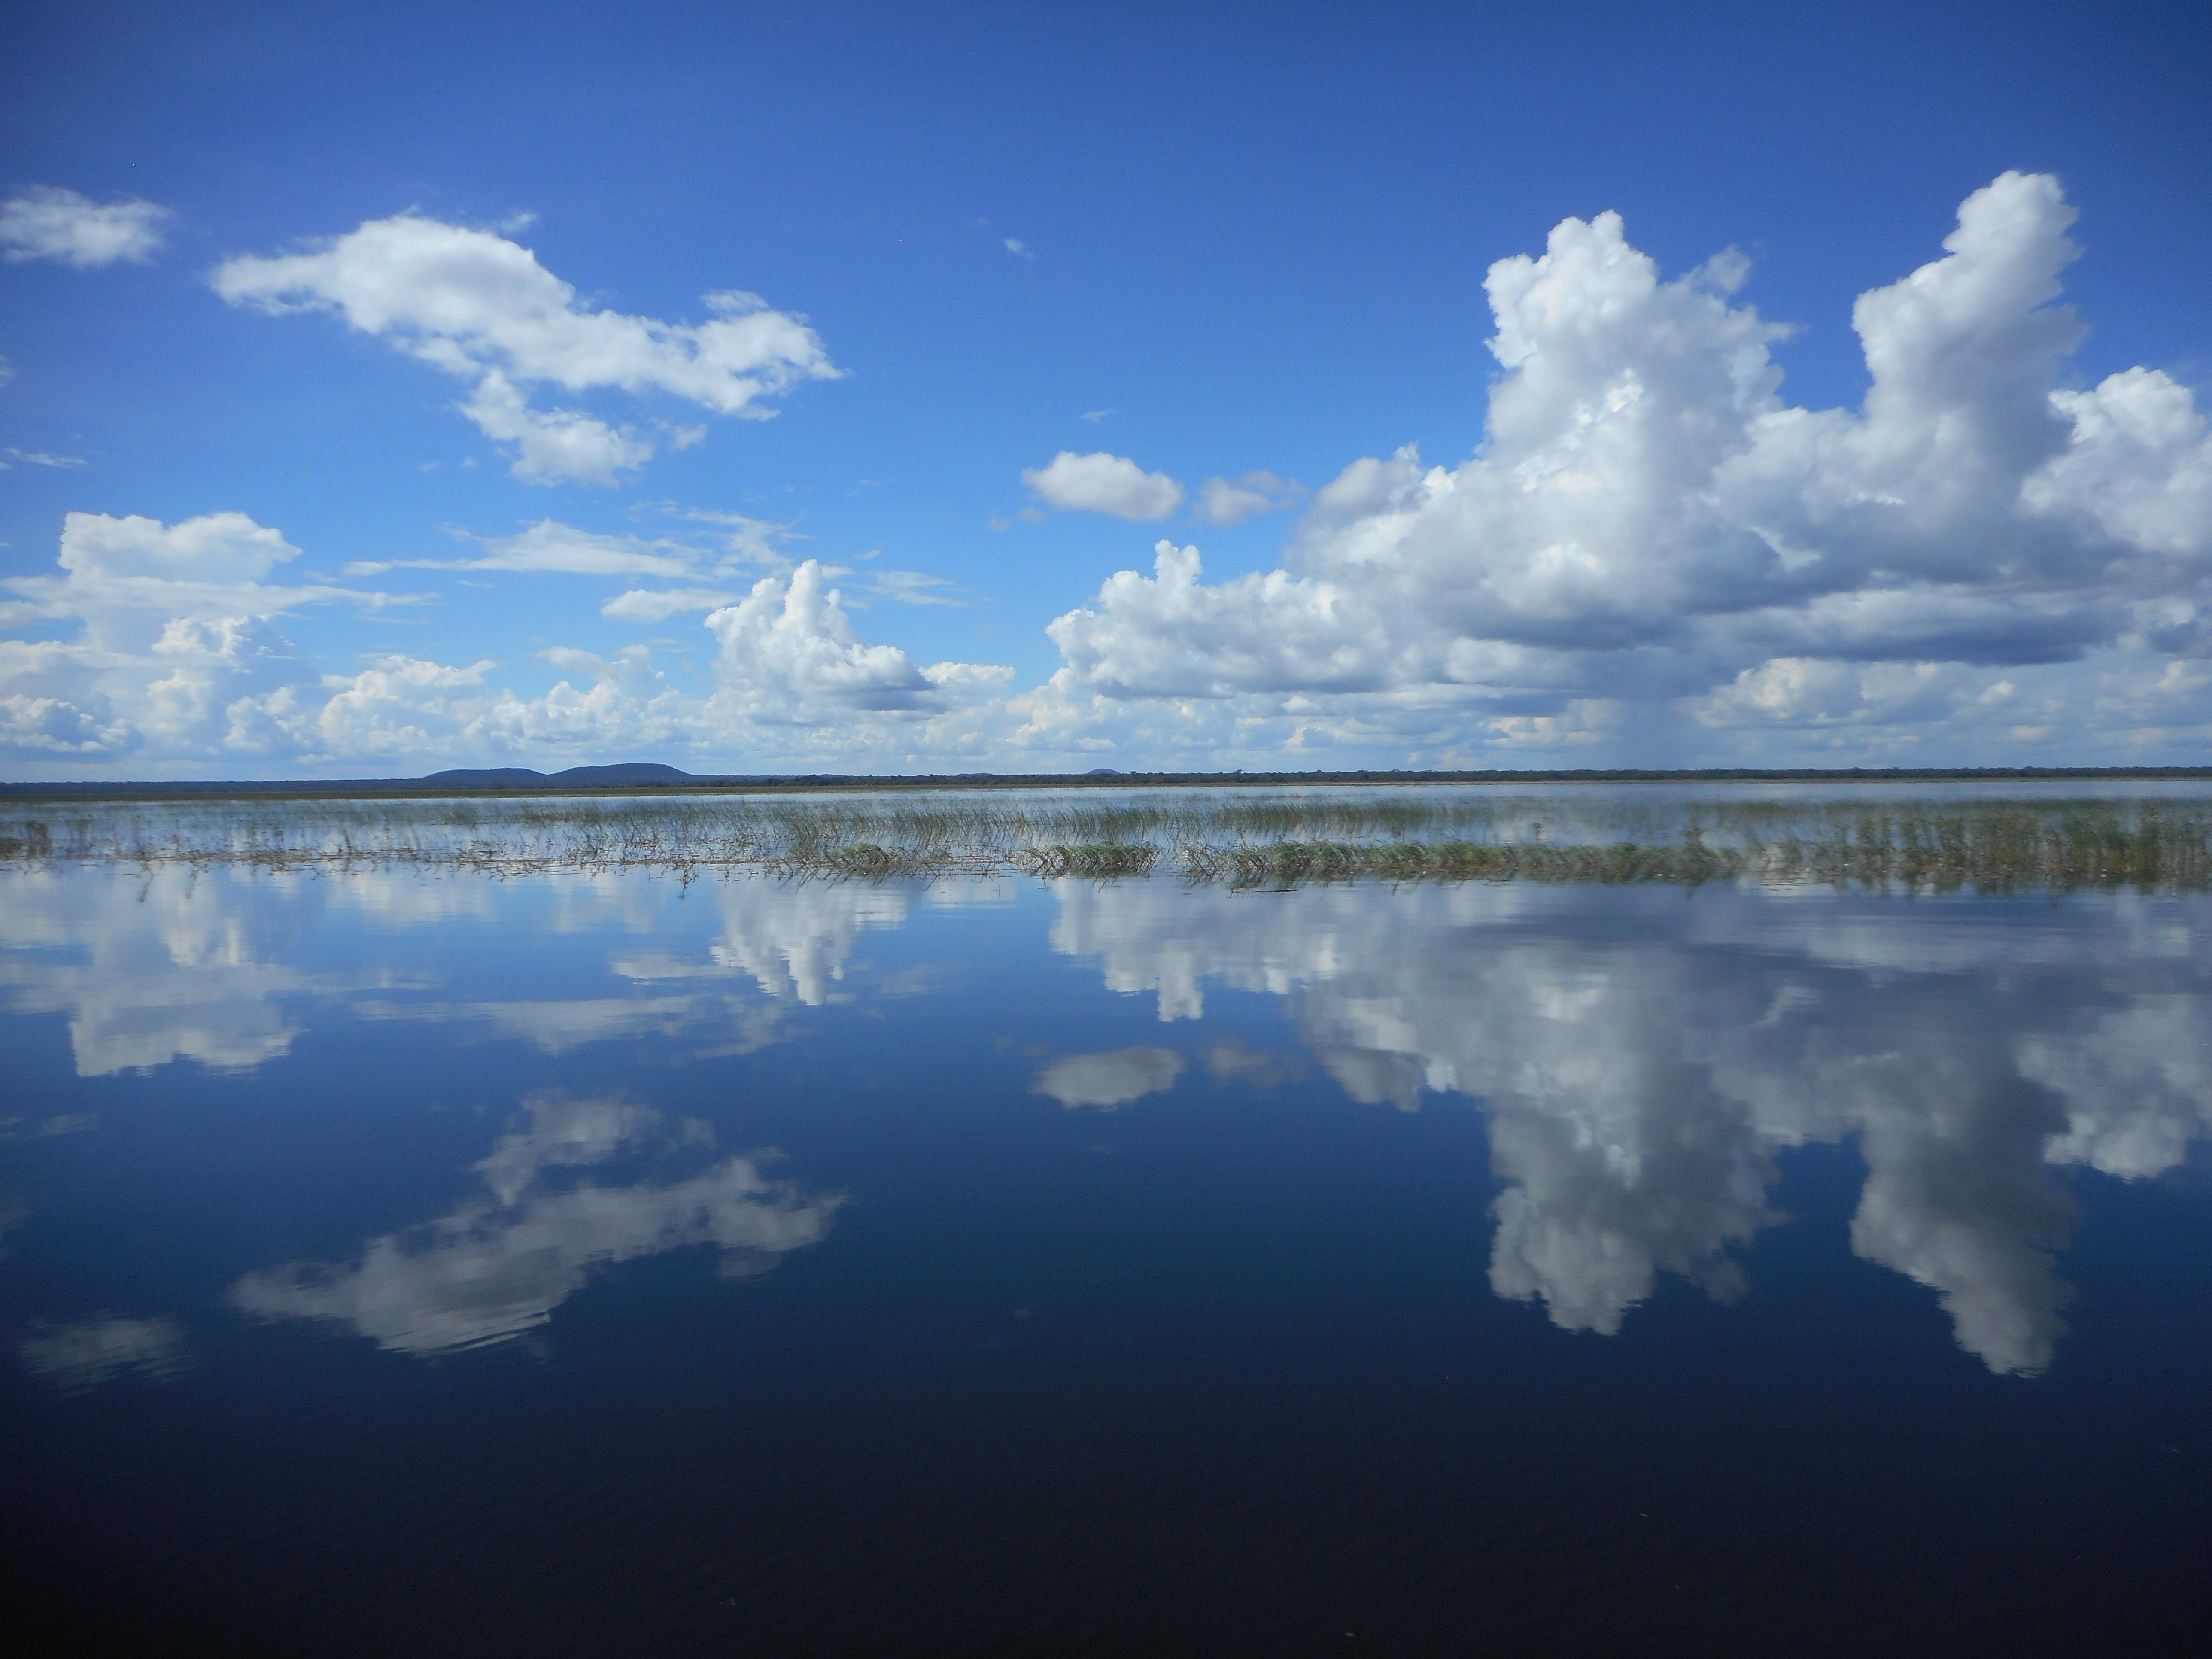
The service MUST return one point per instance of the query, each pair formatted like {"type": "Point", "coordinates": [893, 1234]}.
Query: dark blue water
{"type": "Point", "coordinates": [411, 1264]}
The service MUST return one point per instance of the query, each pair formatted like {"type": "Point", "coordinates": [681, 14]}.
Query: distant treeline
{"type": "Point", "coordinates": [642, 777]}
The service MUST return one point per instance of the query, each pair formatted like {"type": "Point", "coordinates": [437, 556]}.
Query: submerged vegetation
{"type": "Point", "coordinates": [1933, 842]}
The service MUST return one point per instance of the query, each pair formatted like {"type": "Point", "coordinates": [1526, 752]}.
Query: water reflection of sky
{"type": "Point", "coordinates": [1642, 1061]}
{"type": "Point", "coordinates": [505, 1258]}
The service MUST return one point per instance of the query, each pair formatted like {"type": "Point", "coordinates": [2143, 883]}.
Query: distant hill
{"type": "Point", "coordinates": [628, 772]}
{"type": "Point", "coordinates": [491, 777]}
{"type": "Point", "coordinates": [586, 777]}
{"type": "Point", "coordinates": [651, 776]}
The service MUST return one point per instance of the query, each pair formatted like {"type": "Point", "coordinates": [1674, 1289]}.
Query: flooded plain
{"type": "Point", "coordinates": [563, 1253]}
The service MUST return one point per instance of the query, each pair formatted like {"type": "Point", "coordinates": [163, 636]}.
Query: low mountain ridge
{"type": "Point", "coordinates": [521, 777]}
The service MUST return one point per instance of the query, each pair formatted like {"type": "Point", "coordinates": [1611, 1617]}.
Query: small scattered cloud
{"type": "Point", "coordinates": [1261, 1068]}
{"type": "Point", "coordinates": [551, 547]}
{"type": "Point", "coordinates": [1014, 245]}
{"type": "Point", "coordinates": [642, 604]}
{"type": "Point", "coordinates": [1109, 1080]}
{"type": "Point", "coordinates": [42, 1128]}
{"type": "Point", "coordinates": [1100, 483]}
{"type": "Point", "coordinates": [1097, 415]}
{"type": "Point", "coordinates": [911, 587]}
{"type": "Point", "coordinates": [43, 222]}
{"type": "Point", "coordinates": [40, 457]}
{"type": "Point", "coordinates": [1225, 502]}
{"type": "Point", "coordinates": [745, 540]}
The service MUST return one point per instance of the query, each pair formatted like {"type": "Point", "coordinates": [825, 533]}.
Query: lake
{"type": "Point", "coordinates": [568, 1255]}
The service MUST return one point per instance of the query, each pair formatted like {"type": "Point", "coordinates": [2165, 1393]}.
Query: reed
{"type": "Point", "coordinates": [1239, 839]}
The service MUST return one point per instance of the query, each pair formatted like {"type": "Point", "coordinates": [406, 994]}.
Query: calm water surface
{"type": "Point", "coordinates": [402, 1263]}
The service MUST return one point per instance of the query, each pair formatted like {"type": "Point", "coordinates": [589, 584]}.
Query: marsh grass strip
{"type": "Point", "coordinates": [1242, 841]}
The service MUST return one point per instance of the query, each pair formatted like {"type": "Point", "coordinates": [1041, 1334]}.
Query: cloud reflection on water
{"type": "Point", "coordinates": [76, 1357]}
{"type": "Point", "coordinates": [1642, 1057]}
{"type": "Point", "coordinates": [144, 974]}
{"type": "Point", "coordinates": [494, 1268]}
{"type": "Point", "coordinates": [1641, 1060]}
{"type": "Point", "coordinates": [1108, 1080]}
{"type": "Point", "coordinates": [167, 963]}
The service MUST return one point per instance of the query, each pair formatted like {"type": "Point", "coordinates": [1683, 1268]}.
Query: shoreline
{"type": "Point", "coordinates": [438, 787]}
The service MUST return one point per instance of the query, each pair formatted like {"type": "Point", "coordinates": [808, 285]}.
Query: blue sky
{"type": "Point", "coordinates": [361, 487]}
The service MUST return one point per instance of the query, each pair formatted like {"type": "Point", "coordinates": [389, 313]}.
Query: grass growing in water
{"type": "Point", "coordinates": [1238, 838]}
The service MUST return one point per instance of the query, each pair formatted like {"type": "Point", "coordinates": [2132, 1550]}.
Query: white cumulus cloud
{"type": "Point", "coordinates": [1100, 483]}
{"type": "Point", "coordinates": [480, 307]}
{"type": "Point", "coordinates": [1648, 522]}
{"type": "Point", "coordinates": [43, 222]}
{"type": "Point", "coordinates": [790, 652]}
{"type": "Point", "coordinates": [180, 664]}
{"type": "Point", "coordinates": [1653, 557]}
{"type": "Point", "coordinates": [176, 622]}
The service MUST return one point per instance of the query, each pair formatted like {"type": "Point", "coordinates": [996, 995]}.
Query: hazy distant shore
{"type": "Point", "coordinates": [648, 778]}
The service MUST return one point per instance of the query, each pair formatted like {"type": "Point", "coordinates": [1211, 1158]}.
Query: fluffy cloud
{"type": "Point", "coordinates": [60, 225]}
{"type": "Point", "coordinates": [1170, 635]}
{"type": "Point", "coordinates": [789, 651]}
{"type": "Point", "coordinates": [1103, 484]}
{"type": "Point", "coordinates": [553, 445]}
{"type": "Point", "coordinates": [794, 685]}
{"type": "Point", "coordinates": [181, 663]}
{"type": "Point", "coordinates": [176, 627]}
{"type": "Point", "coordinates": [1653, 557]}
{"type": "Point", "coordinates": [1649, 523]}
{"type": "Point", "coordinates": [480, 307]}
